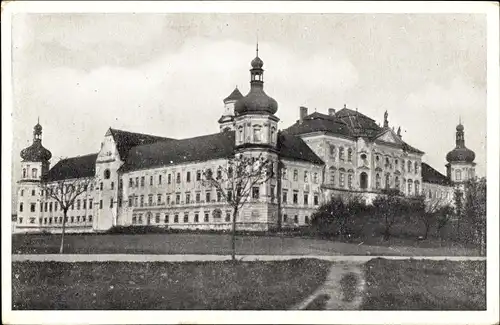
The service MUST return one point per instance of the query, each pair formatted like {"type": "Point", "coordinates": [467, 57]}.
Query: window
{"type": "Point", "coordinates": [158, 199]}
{"type": "Point", "coordinates": [84, 204]}
{"type": "Point", "coordinates": [34, 173]}
{"type": "Point", "coordinates": [188, 198]}
{"type": "Point", "coordinates": [77, 219]}
{"type": "Point", "coordinates": [100, 204]}
{"type": "Point", "coordinates": [72, 219]}
{"type": "Point", "coordinates": [416, 168]}
{"type": "Point", "coordinates": [44, 220]}
{"type": "Point", "coordinates": [137, 182]}
{"type": "Point", "coordinates": [333, 171]}
{"type": "Point", "coordinates": [306, 219]}
{"type": "Point", "coordinates": [285, 196]}
{"type": "Point", "coordinates": [168, 199]}
{"type": "Point", "coordinates": [272, 193]}
{"type": "Point", "coordinates": [341, 154]}
{"type": "Point", "coordinates": [157, 218]}
{"type": "Point", "coordinates": [377, 181]}
{"type": "Point", "coordinates": [142, 200]}
{"type": "Point", "coordinates": [50, 206]}
{"type": "Point", "coordinates": [332, 151]}
{"type": "Point", "coordinates": [316, 199]}
{"type": "Point", "coordinates": [396, 181]}
{"type": "Point", "coordinates": [295, 197]}
{"type": "Point", "coordinates": [219, 196]}
{"type": "Point", "coordinates": [166, 219]}
{"type": "Point", "coordinates": [207, 216]}
{"type": "Point", "coordinates": [186, 218]}
{"type": "Point", "coordinates": [32, 192]}
{"type": "Point", "coordinates": [458, 175]}
{"type": "Point", "coordinates": [285, 218]}
{"type": "Point", "coordinates": [178, 178]}
{"type": "Point", "coordinates": [409, 166]}
{"type": "Point", "coordinates": [78, 204]}
{"type": "Point", "coordinates": [255, 192]}
{"type": "Point", "coordinates": [283, 173]}
{"type": "Point", "coordinates": [130, 201]}
{"type": "Point", "coordinates": [21, 207]}
{"type": "Point", "coordinates": [349, 155]}
{"type": "Point", "coordinates": [84, 219]}
{"type": "Point", "coordinates": [140, 219]}
{"type": "Point", "coordinates": [209, 174]}
{"type": "Point", "coordinates": [430, 194]}
{"type": "Point", "coordinates": [24, 172]}
{"type": "Point", "coordinates": [256, 134]}
{"type": "Point", "coordinates": [219, 173]}
{"type": "Point", "coordinates": [306, 177]}
{"type": "Point", "coordinates": [119, 202]}
{"type": "Point", "coordinates": [387, 162]}
{"type": "Point", "coordinates": [134, 219]}
{"type": "Point", "coordinates": [159, 179]}
{"type": "Point", "coordinates": [120, 184]}
{"type": "Point", "coordinates": [188, 177]}
{"type": "Point", "coordinates": [41, 207]}
{"type": "Point", "coordinates": [55, 206]}
{"type": "Point", "coordinates": [107, 174]}
{"type": "Point", "coordinates": [90, 204]}
{"type": "Point", "coordinates": [240, 134]}
{"type": "Point", "coordinates": [228, 216]}
{"type": "Point", "coordinates": [230, 172]}
{"type": "Point", "coordinates": [150, 199]}
{"type": "Point", "coordinates": [196, 217]}
{"type": "Point", "coordinates": [143, 179]}
{"type": "Point", "coordinates": [150, 180]}
{"type": "Point", "coordinates": [349, 180]}
{"type": "Point", "coordinates": [417, 187]}
{"type": "Point", "coordinates": [207, 197]}
{"type": "Point", "coordinates": [295, 175]}
{"type": "Point", "coordinates": [306, 199]}
{"type": "Point", "coordinates": [296, 219]}
{"type": "Point", "coordinates": [46, 206]}
{"type": "Point", "coordinates": [229, 196]}
{"type": "Point", "coordinates": [198, 175]}
{"type": "Point", "coordinates": [22, 192]}
{"type": "Point", "coordinates": [177, 198]}
{"type": "Point", "coordinates": [341, 179]}
{"type": "Point", "coordinates": [197, 197]}
{"type": "Point", "coordinates": [315, 178]}
{"type": "Point", "coordinates": [410, 183]}
{"type": "Point", "coordinates": [169, 179]}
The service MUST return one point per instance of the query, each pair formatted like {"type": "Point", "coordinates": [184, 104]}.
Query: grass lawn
{"type": "Point", "coordinates": [424, 285]}
{"type": "Point", "coordinates": [185, 243]}
{"type": "Point", "coordinates": [169, 286]}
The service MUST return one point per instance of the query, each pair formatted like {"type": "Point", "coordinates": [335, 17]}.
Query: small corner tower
{"type": "Point", "coordinates": [226, 121]}
{"type": "Point", "coordinates": [461, 165]}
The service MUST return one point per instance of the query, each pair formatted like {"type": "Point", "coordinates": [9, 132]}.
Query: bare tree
{"type": "Point", "coordinates": [236, 182]}
{"type": "Point", "coordinates": [432, 214]}
{"type": "Point", "coordinates": [475, 210]}
{"type": "Point", "coordinates": [65, 192]}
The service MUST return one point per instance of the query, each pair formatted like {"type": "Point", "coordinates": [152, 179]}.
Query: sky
{"type": "Point", "coordinates": [167, 74]}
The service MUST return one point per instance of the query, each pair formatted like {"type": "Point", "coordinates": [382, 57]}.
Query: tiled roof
{"type": "Point", "coordinates": [295, 148]}
{"type": "Point", "coordinates": [74, 167]}
{"type": "Point", "coordinates": [204, 148]}
{"type": "Point", "coordinates": [126, 140]}
{"type": "Point", "coordinates": [235, 95]}
{"type": "Point", "coordinates": [317, 122]}
{"type": "Point", "coordinates": [430, 175]}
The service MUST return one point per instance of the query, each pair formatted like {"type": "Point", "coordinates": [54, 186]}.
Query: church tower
{"type": "Point", "coordinates": [256, 136]}
{"type": "Point", "coordinates": [461, 165]}
{"type": "Point", "coordinates": [227, 119]}
{"type": "Point", "coordinates": [34, 166]}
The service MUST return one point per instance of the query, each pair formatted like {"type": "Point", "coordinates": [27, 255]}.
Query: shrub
{"type": "Point", "coordinates": [132, 230]}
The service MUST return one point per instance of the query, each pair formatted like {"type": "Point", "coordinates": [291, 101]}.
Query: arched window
{"type": "Point", "coordinates": [396, 180]}
{"type": "Point", "coordinates": [377, 181]}
{"type": "Point", "coordinates": [342, 177]}
{"type": "Point", "coordinates": [257, 133]}
{"type": "Point", "coordinates": [416, 167]}
{"type": "Point", "coordinates": [332, 171]}
{"type": "Point", "coordinates": [349, 180]}
{"type": "Point", "coordinates": [107, 174]}
{"type": "Point", "coordinates": [306, 177]}
{"type": "Point", "coordinates": [349, 155]}
{"type": "Point", "coordinates": [34, 173]}
{"type": "Point", "coordinates": [295, 175]}
{"type": "Point", "coordinates": [363, 180]}
{"type": "Point", "coordinates": [387, 181]}
{"type": "Point", "coordinates": [273, 134]}
{"type": "Point", "coordinates": [409, 166]}
{"type": "Point", "coordinates": [341, 154]}
{"type": "Point", "coordinates": [417, 187]}
{"type": "Point", "coordinates": [471, 173]}
{"type": "Point", "coordinates": [284, 173]}
{"type": "Point", "coordinates": [458, 175]}
{"type": "Point", "coordinates": [240, 134]}
{"type": "Point", "coordinates": [24, 172]}
{"type": "Point", "coordinates": [332, 151]}
{"type": "Point", "coordinates": [410, 186]}
{"type": "Point", "coordinates": [315, 178]}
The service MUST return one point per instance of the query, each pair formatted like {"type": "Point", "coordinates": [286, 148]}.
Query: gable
{"type": "Point", "coordinates": [389, 137]}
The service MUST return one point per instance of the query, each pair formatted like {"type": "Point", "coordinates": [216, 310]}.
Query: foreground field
{"type": "Point", "coordinates": [214, 244]}
{"type": "Point", "coordinates": [177, 286]}
{"type": "Point", "coordinates": [424, 285]}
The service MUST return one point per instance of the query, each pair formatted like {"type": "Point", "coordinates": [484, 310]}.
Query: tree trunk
{"type": "Point", "coordinates": [61, 249]}
{"type": "Point", "coordinates": [233, 235]}
{"type": "Point", "coordinates": [427, 226]}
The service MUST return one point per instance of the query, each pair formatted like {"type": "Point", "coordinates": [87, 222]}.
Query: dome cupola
{"type": "Point", "coordinates": [256, 101]}
{"type": "Point", "coordinates": [36, 152]}
{"type": "Point", "coordinates": [460, 153]}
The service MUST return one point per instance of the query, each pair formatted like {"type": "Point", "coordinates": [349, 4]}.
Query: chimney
{"type": "Point", "coordinates": [331, 111]}
{"type": "Point", "coordinates": [303, 113]}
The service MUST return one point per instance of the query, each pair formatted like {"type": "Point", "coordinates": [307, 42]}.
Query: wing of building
{"type": "Point", "coordinates": [141, 179]}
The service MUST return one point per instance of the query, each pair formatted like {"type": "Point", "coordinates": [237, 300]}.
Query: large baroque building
{"type": "Point", "coordinates": [139, 179]}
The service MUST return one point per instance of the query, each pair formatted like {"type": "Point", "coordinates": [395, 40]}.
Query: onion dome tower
{"type": "Point", "coordinates": [226, 121]}
{"type": "Point", "coordinates": [255, 122]}
{"type": "Point", "coordinates": [461, 164]}
{"type": "Point", "coordinates": [35, 158]}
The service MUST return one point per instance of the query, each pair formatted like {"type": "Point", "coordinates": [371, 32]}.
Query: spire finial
{"type": "Point", "coordinates": [459, 119]}
{"type": "Point", "coordinates": [257, 48]}
{"type": "Point", "coordinates": [38, 121]}
{"type": "Point", "coordinates": [345, 106]}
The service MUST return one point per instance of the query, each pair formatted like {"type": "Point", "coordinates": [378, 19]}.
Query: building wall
{"type": "Point", "coordinates": [438, 195]}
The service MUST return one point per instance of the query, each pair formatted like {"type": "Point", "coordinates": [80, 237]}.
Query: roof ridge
{"type": "Point", "coordinates": [138, 133]}
{"type": "Point", "coordinates": [80, 156]}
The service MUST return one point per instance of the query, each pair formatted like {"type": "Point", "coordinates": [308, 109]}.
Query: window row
{"type": "Point", "coordinates": [57, 220]}
{"type": "Point", "coordinates": [306, 175]}
{"type": "Point", "coordinates": [439, 194]}
{"type": "Point", "coordinates": [295, 219]}
{"type": "Point", "coordinates": [341, 175]}
{"type": "Point", "coordinates": [408, 165]}
{"type": "Point", "coordinates": [295, 198]}
{"type": "Point", "coordinates": [34, 172]}
{"type": "Point", "coordinates": [340, 152]}
{"type": "Point", "coordinates": [160, 218]}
